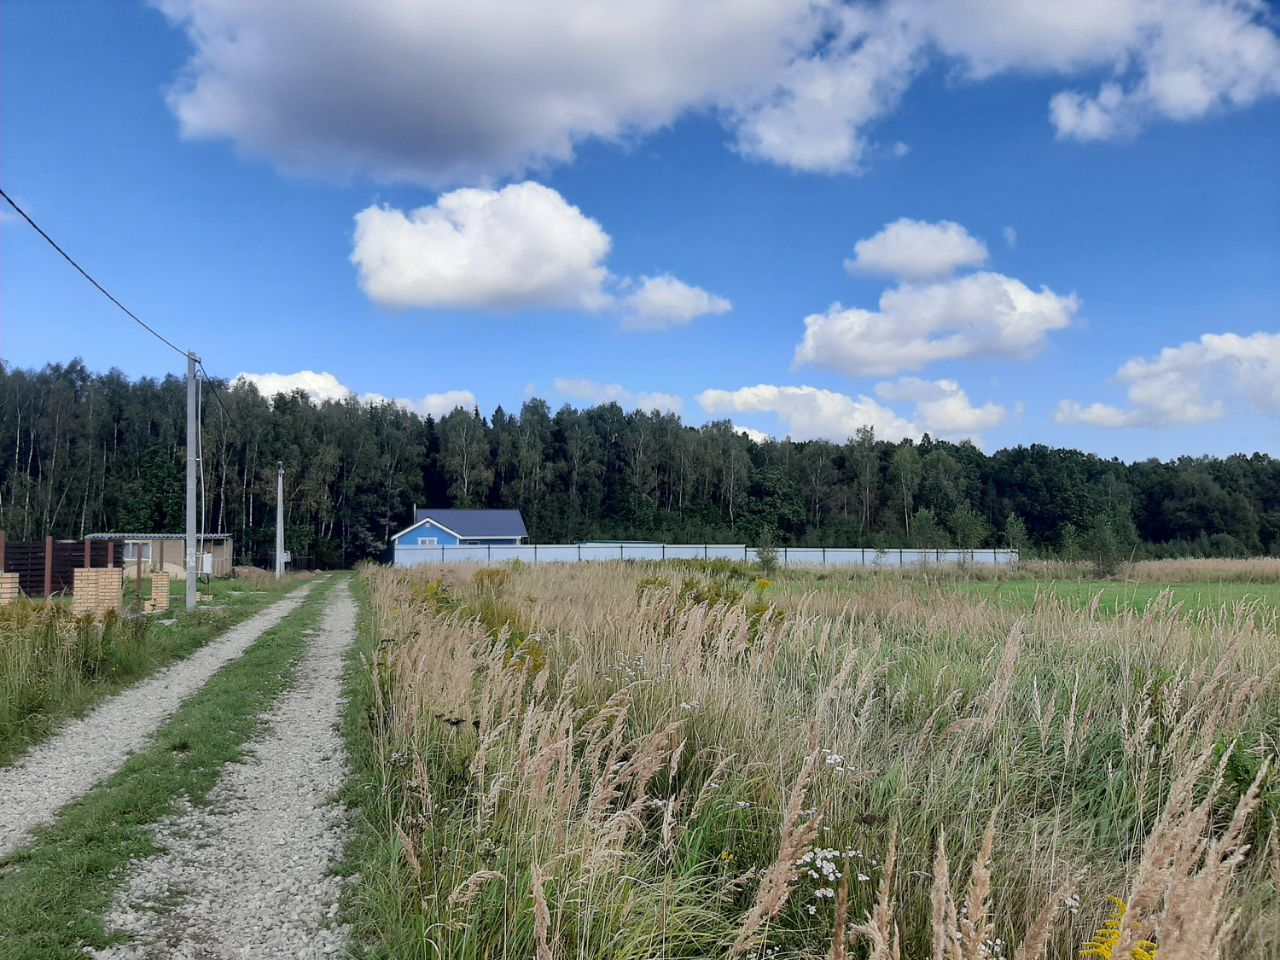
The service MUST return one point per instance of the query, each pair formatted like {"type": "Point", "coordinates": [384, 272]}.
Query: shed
{"type": "Point", "coordinates": [164, 552]}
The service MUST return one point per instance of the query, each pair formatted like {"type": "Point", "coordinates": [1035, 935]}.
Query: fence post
{"type": "Point", "coordinates": [704, 552]}
{"type": "Point", "coordinates": [535, 553]}
{"type": "Point", "coordinates": [784, 556]}
{"type": "Point", "coordinates": [137, 580]}
{"type": "Point", "coordinates": [664, 551]}
{"type": "Point", "coordinates": [161, 565]}
{"type": "Point", "coordinates": [48, 567]}
{"type": "Point", "coordinates": [901, 562]}
{"type": "Point", "coordinates": [620, 554]}
{"type": "Point", "coordinates": [824, 556]}
{"type": "Point", "coordinates": [1, 551]}
{"type": "Point", "coordinates": [88, 553]}
{"type": "Point", "coordinates": [111, 553]}
{"type": "Point", "coordinates": [489, 552]}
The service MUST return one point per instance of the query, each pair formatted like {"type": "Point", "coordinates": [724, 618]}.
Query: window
{"type": "Point", "coordinates": [426, 541]}
{"type": "Point", "coordinates": [133, 549]}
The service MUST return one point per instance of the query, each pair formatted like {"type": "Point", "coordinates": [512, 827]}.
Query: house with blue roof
{"type": "Point", "coordinates": [462, 528]}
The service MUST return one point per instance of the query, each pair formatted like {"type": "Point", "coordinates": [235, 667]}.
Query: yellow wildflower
{"type": "Point", "coordinates": [1105, 939]}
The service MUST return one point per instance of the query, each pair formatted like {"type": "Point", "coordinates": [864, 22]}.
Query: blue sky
{"type": "Point", "coordinates": [1126, 191]}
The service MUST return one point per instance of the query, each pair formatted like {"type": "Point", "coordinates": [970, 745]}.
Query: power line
{"type": "Point", "coordinates": [85, 273]}
{"type": "Point", "coordinates": [217, 394]}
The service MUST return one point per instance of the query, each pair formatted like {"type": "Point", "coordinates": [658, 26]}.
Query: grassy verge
{"type": "Point", "coordinates": [381, 913]}
{"type": "Point", "coordinates": [54, 667]}
{"type": "Point", "coordinates": [54, 892]}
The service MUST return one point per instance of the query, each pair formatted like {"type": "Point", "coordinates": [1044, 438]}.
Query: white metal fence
{"type": "Point", "coordinates": [408, 556]}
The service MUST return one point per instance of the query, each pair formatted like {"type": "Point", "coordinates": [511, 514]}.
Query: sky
{"type": "Point", "coordinates": [1006, 220]}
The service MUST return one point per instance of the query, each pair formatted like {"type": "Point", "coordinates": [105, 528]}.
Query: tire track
{"type": "Point", "coordinates": [247, 875]}
{"type": "Point", "coordinates": [68, 765]}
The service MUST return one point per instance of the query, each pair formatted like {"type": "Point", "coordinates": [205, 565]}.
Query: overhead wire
{"type": "Point", "coordinates": [85, 273]}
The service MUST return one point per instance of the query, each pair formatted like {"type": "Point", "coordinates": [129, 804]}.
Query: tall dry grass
{"type": "Point", "coordinates": [601, 761]}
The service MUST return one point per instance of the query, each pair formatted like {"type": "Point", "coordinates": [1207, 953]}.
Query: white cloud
{"type": "Point", "coordinates": [1010, 237]}
{"type": "Point", "coordinates": [979, 315]}
{"type": "Point", "coordinates": [1196, 382]}
{"type": "Point", "coordinates": [664, 301]}
{"type": "Point", "coordinates": [519, 246]}
{"type": "Point", "coordinates": [595, 392]}
{"type": "Point", "coordinates": [758, 436]}
{"type": "Point", "coordinates": [942, 407]}
{"type": "Point", "coordinates": [439, 92]}
{"type": "Point", "coordinates": [318, 386]}
{"type": "Point", "coordinates": [443, 93]}
{"type": "Point", "coordinates": [1184, 59]}
{"type": "Point", "coordinates": [916, 250]}
{"type": "Point", "coordinates": [436, 405]}
{"type": "Point", "coordinates": [810, 413]}
{"type": "Point", "coordinates": [325, 386]}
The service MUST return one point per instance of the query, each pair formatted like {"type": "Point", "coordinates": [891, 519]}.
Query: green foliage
{"type": "Point", "coordinates": [767, 554]}
{"type": "Point", "coordinates": [354, 471]}
{"type": "Point", "coordinates": [1015, 532]}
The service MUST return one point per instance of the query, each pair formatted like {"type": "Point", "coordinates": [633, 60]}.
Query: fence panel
{"type": "Point", "coordinates": [406, 556]}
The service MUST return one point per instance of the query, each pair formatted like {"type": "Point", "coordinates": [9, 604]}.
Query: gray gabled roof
{"type": "Point", "coordinates": [477, 524]}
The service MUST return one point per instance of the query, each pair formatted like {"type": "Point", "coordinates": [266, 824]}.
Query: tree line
{"type": "Point", "coordinates": [83, 453]}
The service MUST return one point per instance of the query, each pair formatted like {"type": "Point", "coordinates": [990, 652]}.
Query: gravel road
{"type": "Point", "coordinates": [247, 875]}
{"type": "Point", "coordinates": [67, 765]}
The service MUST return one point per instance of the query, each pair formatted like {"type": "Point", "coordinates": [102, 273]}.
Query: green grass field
{"type": "Point", "coordinates": [1118, 595]}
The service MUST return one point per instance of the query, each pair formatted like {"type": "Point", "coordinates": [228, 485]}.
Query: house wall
{"type": "Point", "coordinates": [428, 529]}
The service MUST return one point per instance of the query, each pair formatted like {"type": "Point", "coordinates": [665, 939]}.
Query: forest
{"type": "Point", "coordinates": [82, 452]}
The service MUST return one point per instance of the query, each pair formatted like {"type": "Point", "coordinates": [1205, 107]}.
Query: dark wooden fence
{"type": "Point", "coordinates": [46, 567]}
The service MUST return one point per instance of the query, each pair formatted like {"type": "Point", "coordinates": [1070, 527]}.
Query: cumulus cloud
{"type": "Point", "coordinates": [916, 250]}
{"type": "Point", "coordinates": [942, 407]}
{"type": "Point", "coordinates": [1189, 58]}
{"type": "Point", "coordinates": [435, 405]}
{"type": "Point", "coordinates": [759, 436]}
{"type": "Point", "coordinates": [1196, 382]}
{"type": "Point", "coordinates": [664, 301]}
{"type": "Point", "coordinates": [444, 93]}
{"type": "Point", "coordinates": [520, 246]}
{"type": "Point", "coordinates": [325, 386]}
{"type": "Point", "coordinates": [595, 392]}
{"type": "Point", "coordinates": [810, 413]}
{"type": "Point", "coordinates": [318, 386]}
{"type": "Point", "coordinates": [978, 315]}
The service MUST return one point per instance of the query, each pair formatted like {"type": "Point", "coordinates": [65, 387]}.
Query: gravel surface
{"type": "Point", "coordinates": [67, 765]}
{"type": "Point", "coordinates": [247, 875]}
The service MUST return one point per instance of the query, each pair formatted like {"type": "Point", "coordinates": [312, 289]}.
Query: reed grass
{"type": "Point", "coordinates": [629, 761]}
